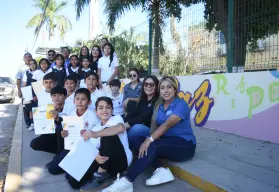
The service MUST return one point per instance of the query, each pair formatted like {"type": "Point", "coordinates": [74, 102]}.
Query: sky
{"type": "Point", "coordinates": [15, 38]}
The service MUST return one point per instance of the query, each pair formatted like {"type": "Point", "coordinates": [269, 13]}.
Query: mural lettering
{"type": "Point", "coordinates": [241, 85]}
{"type": "Point", "coordinates": [221, 83]}
{"type": "Point", "coordinates": [201, 100]}
{"type": "Point", "coordinates": [233, 103]}
{"type": "Point", "coordinates": [256, 95]}
{"type": "Point", "coordinates": [273, 90]}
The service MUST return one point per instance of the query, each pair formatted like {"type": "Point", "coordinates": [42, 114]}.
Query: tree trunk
{"type": "Point", "coordinates": [155, 55]}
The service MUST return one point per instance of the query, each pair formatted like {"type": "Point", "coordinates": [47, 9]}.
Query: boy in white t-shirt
{"type": "Point", "coordinates": [82, 102]}
{"type": "Point", "coordinates": [114, 154]}
{"type": "Point", "coordinates": [71, 85]}
{"type": "Point", "coordinates": [117, 97]}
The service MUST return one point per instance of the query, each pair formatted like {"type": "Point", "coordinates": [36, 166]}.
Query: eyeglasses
{"type": "Point", "coordinates": [149, 84]}
{"type": "Point", "coordinates": [50, 55]}
{"type": "Point", "coordinates": [132, 75]}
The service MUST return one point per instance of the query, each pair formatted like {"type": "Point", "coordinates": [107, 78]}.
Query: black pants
{"type": "Point", "coordinates": [110, 147]}
{"type": "Point", "coordinates": [46, 143]}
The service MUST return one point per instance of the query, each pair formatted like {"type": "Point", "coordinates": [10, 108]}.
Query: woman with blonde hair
{"type": "Point", "coordinates": [170, 137]}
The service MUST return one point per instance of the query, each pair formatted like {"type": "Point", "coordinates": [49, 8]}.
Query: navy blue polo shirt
{"type": "Point", "coordinates": [183, 128]}
{"type": "Point", "coordinates": [132, 93]}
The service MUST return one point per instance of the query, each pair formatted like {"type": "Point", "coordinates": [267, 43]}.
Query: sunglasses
{"type": "Point", "coordinates": [132, 75]}
{"type": "Point", "coordinates": [50, 54]}
{"type": "Point", "coordinates": [148, 84]}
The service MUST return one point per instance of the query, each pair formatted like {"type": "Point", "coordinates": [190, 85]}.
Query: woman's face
{"type": "Point", "coordinates": [44, 65]}
{"type": "Point", "coordinates": [59, 61]}
{"type": "Point", "coordinates": [95, 52]}
{"type": "Point", "coordinates": [149, 87]}
{"type": "Point", "coordinates": [32, 65]}
{"type": "Point", "coordinates": [107, 50]}
{"type": "Point", "coordinates": [85, 63]}
{"type": "Point", "coordinates": [167, 91]}
{"type": "Point", "coordinates": [104, 110]}
{"type": "Point", "coordinates": [84, 51]}
{"type": "Point", "coordinates": [74, 61]}
{"type": "Point", "coordinates": [133, 76]}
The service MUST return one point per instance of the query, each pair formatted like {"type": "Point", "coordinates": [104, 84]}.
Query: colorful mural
{"type": "Point", "coordinates": [245, 104]}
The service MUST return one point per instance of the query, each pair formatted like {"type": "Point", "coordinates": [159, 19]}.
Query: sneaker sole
{"type": "Point", "coordinates": [98, 188]}
{"type": "Point", "coordinates": [166, 180]}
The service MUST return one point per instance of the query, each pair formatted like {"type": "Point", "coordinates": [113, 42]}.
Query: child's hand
{"type": "Point", "coordinates": [100, 85]}
{"type": "Point", "coordinates": [64, 133]}
{"type": "Point", "coordinates": [54, 115]}
{"type": "Point", "coordinates": [86, 135]}
{"type": "Point", "coordinates": [125, 103]}
{"type": "Point", "coordinates": [82, 131]}
{"type": "Point", "coordinates": [101, 159]}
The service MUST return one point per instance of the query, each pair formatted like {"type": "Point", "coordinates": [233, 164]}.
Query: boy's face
{"type": "Point", "coordinates": [91, 82]}
{"type": "Point", "coordinates": [70, 86]}
{"type": "Point", "coordinates": [81, 101]}
{"type": "Point", "coordinates": [58, 99]}
{"type": "Point", "coordinates": [114, 89]}
{"type": "Point", "coordinates": [48, 84]}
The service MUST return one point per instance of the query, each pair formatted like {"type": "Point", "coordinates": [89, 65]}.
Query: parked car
{"type": "Point", "coordinates": [7, 89]}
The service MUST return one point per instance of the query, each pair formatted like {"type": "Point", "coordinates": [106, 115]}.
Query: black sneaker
{"type": "Point", "coordinates": [99, 181]}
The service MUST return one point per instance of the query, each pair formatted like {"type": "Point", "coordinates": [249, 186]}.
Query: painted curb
{"type": "Point", "coordinates": [192, 179]}
{"type": "Point", "coordinates": [13, 178]}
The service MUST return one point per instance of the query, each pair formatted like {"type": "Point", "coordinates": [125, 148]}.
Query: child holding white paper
{"type": "Point", "coordinates": [114, 154]}
{"type": "Point", "coordinates": [48, 142]}
{"type": "Point", "coordinates": [27, 80]}
{"type": "Point", "coordinates": [82, 101]}
{"type": "Point", "coordinates": [91, 81]}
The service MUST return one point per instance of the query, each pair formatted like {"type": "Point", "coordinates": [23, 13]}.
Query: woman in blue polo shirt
{"type": "Point", "coordinates": [132, 90]}
{"type": "Point", "coordinates": [170, 137]}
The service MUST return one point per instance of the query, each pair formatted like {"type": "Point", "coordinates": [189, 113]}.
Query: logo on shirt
{"type": "Point", "coordinates": [169, 112]}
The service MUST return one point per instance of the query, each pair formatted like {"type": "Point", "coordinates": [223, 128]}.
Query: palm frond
{"type": "Point", "coordinates": [34, 21]}
{"type": "Point", "coordinates": [80, 4]}
{"type": "Point", "coordinates": [63, 25]}
{"type": "Point", "coordinates": [60, 6]}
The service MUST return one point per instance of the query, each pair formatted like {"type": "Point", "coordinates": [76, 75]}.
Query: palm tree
{"type": "Point", "coordinates": [50, 17]}
{"type": "Point", "coordinates": [158, 11]}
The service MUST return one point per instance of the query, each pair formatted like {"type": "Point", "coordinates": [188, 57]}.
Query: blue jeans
{"type": "Point", "coordinates": [170, 148]}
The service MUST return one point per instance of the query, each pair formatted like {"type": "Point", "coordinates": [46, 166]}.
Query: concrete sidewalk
{"type": "Point", "coordinates": [33, 176]}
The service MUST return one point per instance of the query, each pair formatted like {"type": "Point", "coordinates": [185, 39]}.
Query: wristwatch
{"type": "Point", "coordinates": [150, 138]}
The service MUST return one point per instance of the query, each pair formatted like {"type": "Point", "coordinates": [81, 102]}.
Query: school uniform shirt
{"type": "Point", "coordinates": [39, 74]}
{"type": "Point", "coordinates": [106, 71]}
{"type": "Point", "coordinates": [94, 96]}
{"type": "Point", "coordinates": [183, 128]}
{"type": "Point", "coordinates": [70, 70]}
{"type": "Point", "coordinates": [114, 120]}
{"type": "Point", "coordinates": [117, 104]}
{"type": "Point", "coordinates": [132, 93]}
{"type": "Point", "coordinates": [90, 119]}
{"type": "Point", "coordinates": [44, 98]}
{"type": "Point", "coordinates": [69, 102]}
{"type": "Point", "coordinates": [60, 74]}
{"type": "Point", "coordinates": [20, 72]}
{"type": "Point", "coordinates": [94, 66]}
{"type": "Point", "coordinates": [67, 63]}
{"type": "Point", "coordinates": [82, 77]}
{"type": "Point", "coordinates": [27, 77]}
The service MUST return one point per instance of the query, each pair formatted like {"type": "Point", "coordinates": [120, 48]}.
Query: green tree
{"type": "Point", "coordinates": [158, 11]}
{"type": "Point", "coordinates": [50, 17]}
{"type": "Point", "coordinates": [253, 20]}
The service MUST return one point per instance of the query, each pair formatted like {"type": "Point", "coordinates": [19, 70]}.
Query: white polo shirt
{"type": "Point", "coordinates": [69, 102]}
{"type": "Point", "coordinates": [114, 120]}
{"type": "Point", "coordinates": [20, 72]}
{"type": "Point", "coordinates": [117, 104]}
{"type": "Point", "coordinates": [106, 71]}
{"type": "Point", "coordinates": [94, 96]}
{"type": "Point", "coordinates": [24, 78]}
{"type": "Point", "coordinates": [39, 74]}
{"type": "Point", "coordinates": [44, 98]}
{"type": "Point", "coordinates": [90, 119]}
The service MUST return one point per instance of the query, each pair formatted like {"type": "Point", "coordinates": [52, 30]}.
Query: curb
{"type": "Point", "coordinates": [13, 178]}
{"type": "Point", "coordinates": [192, 179]}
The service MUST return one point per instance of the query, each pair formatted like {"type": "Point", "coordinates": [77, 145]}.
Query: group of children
{"type": "Point", "coordinates": [116, 119]}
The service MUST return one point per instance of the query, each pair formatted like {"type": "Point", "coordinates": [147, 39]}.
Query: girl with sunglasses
{"type": "Point", "coordinates": [132, 90]}
{"type": "Point", "coordinates": [142, 113]}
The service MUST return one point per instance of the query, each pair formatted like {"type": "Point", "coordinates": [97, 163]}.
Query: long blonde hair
{"type": "Point", "coordinates": [160, 100]}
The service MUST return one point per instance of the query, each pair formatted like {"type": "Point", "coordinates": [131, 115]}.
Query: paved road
{"type": "Point", "coordinates": [8, 114]}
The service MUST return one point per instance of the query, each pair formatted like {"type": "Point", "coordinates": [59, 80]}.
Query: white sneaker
{"type": "Point", "coordinates": [160, 175]}
{"type": "Point", "coordinates": [120, 185]}
{"type": "Point", "coordinates": [31, 128]}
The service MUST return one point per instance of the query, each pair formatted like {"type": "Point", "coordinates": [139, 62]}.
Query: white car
{"type": "Point", "coordinates": [7, 89]}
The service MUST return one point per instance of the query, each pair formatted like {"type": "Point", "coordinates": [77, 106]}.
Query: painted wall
{"type": "Point", "coordinates": [245, 104]}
